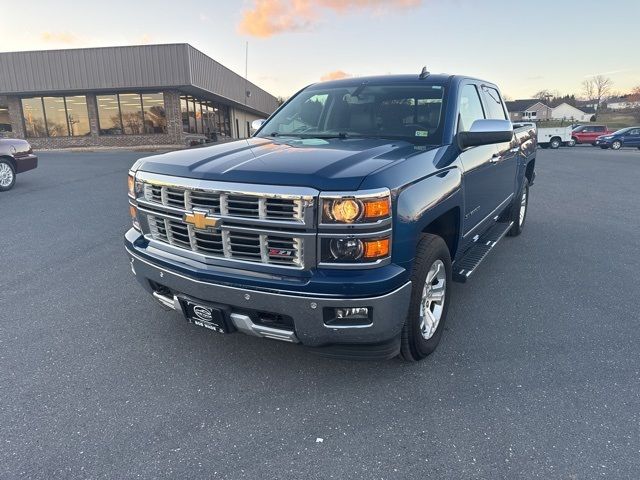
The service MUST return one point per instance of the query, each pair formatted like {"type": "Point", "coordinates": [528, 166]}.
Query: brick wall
{"type": "Point", "coordinates": [173, 137]}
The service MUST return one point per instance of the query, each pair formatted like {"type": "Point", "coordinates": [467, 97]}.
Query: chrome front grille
{"type": "Point", "coordinates": [272, 248]}
{"type": "Point", "coordinates": [230, 204]}
{"type": "Point", "coordinates": [273, 227]}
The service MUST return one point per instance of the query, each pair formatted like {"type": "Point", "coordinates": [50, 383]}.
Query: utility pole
{"type": "Point", "coordinates": [246, 72]}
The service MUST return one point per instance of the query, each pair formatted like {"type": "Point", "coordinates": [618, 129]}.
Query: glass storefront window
{"type": "Point", "coordinates": [33, 115]}
{"type": "Point", "coordinates": [131, 113]}
{"type": "Point", "coordinates": [5, 121]}
{"type": "Point", "coordinates": [77, 115]}
{"type": "Point", "coordinates": [109, 115]}
{"type": "Point", "coordinates": [155, 117]}
{"type": "Point", "coordinates": [56, 117]}
{"type": "Point", "coordinates": [206, 117]}
{"type": "Point", "coordinates": [185, 114]}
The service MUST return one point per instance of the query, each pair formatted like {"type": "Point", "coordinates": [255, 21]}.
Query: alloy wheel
{"type": "Point", "coordinates": [432, 302]}
{"type": "Point", "coordinates": [6, 175]}
{"type": "Point", "coordinates": [523, 207]}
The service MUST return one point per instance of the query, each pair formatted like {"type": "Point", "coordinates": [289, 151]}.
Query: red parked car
{"type": "Point", "coordinates": [589, 133]}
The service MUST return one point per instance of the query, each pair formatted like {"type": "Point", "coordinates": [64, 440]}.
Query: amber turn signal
{"type": "Point", "coordinates": [131, 183]}
{"type": "Point", "coordinates": [376, 248]}
{"type": "Point", "coordinates": [377, 208]}
{"type": "Point", "coordinates": [133, 211]}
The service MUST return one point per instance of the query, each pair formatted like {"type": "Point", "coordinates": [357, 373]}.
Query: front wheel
{"type": "Point", "coordinates": [616, 145]}
{"type": "Point", "coordinates": [430, 295]}
{"type": "Point", "coordinates": [555, 143]}
{"type": "Point", "coordinates": [7, 176]}
{"type": "Point", "coordinates": [571, 143]}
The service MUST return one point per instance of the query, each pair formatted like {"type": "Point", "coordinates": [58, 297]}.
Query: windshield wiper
{"type": "Point", "coordinates": [327, 135]}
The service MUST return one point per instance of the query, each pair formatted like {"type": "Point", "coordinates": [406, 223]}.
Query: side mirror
{"type": "Point", "coordinates": [486, 132]}
{"type": "Point", "coordinates": [256, 124]}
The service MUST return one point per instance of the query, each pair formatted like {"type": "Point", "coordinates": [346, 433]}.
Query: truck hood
{"type": "Point", "coordinates": [334, 164]}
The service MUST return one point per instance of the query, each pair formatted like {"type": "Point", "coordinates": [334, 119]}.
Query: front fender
{"type": "Point", "coordinates": [422, 202]}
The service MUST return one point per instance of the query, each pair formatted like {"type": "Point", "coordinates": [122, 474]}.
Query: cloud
{"type": "Point", "coordinates": [272, 17]}
{"type": "Point", "coordinates": [145, 39]}
{"type": "Point", "coordinates": [204, 17]}
{"type": "Point", "coordinates": [58, 37]}
{"type": "Point", "coordinates": [335, 75]}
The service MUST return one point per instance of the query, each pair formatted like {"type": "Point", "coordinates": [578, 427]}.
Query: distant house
{"type": "Point", "coordinates": [621, 102]}
{"type": "Point", "coordinates": [564, 111]}
{"type": "Point", "coordinates": [531, 110]}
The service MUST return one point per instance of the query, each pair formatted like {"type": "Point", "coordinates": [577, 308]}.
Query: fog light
{"type": "Point", "coordinates": [346, 248]}
{"type": "Point", "coordinates": [352, 313]}
{"type": "Point", "coordinates": [348, 317]}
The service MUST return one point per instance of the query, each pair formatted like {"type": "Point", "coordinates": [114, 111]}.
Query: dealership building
{"type": "Point", "coordinates": [171, 95]}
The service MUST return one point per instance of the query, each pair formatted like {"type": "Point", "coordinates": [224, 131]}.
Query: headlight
{"type": "Point", "coordinates": [356, 209]}
{"type": "Point", "coordinates": [133, 185]}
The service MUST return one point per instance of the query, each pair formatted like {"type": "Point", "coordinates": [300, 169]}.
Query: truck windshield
{"type": "Point", "coordinates": [411, 112]}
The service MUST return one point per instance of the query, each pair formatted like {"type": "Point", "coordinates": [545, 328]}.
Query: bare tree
{"type": "Point", "coordinates": [597, 88]}
{"type": "Point", "coordinates": [545, 95]}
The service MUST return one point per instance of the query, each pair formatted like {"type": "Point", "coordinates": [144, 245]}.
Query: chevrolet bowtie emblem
{"type": "Point", "coordinates": [200, 220]}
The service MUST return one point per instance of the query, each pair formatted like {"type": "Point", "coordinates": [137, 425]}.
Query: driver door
{"type": "Point", "coordinates": [480, 196]}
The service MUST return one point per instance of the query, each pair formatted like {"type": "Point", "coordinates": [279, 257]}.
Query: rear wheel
{"type": "Point", "coordinates": [555, 143]}
{"type": "Point", "coordinates": [7, 176]}
{"type": "Point", "coordinates": [571, 143]}
{"type": "Point", "coordinates": [431, 278]}
{"type": "Point", "coordinates": [519, 210]}
{"type": "Point", "coordinates": [616, 145]}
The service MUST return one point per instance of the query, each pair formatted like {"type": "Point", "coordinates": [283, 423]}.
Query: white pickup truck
{"type": "Point", "coordinates": [553, 137]}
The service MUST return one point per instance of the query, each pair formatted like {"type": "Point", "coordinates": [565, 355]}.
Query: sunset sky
{"type": "Point", "coordinates": [522, 46]}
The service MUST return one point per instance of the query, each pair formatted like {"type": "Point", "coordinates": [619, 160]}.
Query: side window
{"type": "Point", "coordinates": [635, 131]}
{"type": "Point", "coordinates": [598, 129]}
{"type": "Point", "coordinates": [492, 99]}
{"type": "Point", "coordinates": [469, 108]}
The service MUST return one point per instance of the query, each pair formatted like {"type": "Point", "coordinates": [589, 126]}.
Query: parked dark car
{"type": "Point", "coordinates": [625, 137]}
{"type": "Point", "coordinates": [589, 133]}
{"type": "Point", "coordinates": [16, 156]}
{"type": "Point", "coordinates": [341, 224]}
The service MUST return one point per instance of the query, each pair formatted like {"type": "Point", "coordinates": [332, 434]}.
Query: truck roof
{"type": "Point", "coordinates": [439, 78]}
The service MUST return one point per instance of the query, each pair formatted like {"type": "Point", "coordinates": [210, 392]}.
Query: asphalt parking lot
{"type": "Point", "coordinates": [537, 376]}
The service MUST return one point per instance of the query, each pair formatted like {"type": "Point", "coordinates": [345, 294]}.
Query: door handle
{"type": "Point", "coordinates": [495, 158]}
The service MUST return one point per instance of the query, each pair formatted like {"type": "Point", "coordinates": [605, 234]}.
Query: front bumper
{"type": "Point", "coordinates": [388, 311]}
{"type": "Point", "coordinates": [25, 163]}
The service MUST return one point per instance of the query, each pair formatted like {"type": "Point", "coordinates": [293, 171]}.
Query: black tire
{"type": "Point", "coordinates": [555, 143]}
{"type": "Point", "coordinates": [571, 143]}
{"type": "Point", "coordinates": [616, 145]}
{"type": "Point", "coordinates": [414, 346]}
{"type": "Point", "coordinates": [514, 215]}
{"type": "Point", "coordinates": [10, 175]}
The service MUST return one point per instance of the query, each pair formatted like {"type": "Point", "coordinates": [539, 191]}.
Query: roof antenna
{"type": "Point", "coordinates": [425, 73]}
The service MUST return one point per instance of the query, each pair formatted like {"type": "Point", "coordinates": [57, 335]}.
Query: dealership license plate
{"type": "Point", "coordinates": [206, 316]}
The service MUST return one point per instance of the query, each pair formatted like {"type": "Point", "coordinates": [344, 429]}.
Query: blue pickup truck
{"type": "Point", "coordinates": [342, 222]}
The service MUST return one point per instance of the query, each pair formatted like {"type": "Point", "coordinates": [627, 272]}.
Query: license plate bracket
{"type": "Point", "coordinates": [210, 316]}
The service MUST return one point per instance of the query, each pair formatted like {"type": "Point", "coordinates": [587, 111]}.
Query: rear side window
{"type": "Point", "coordinates": [495, 111]}
{"type": "Point", "coordinates": [469, 108]}
{"type": "Point", "coordinates": [598, 129]}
